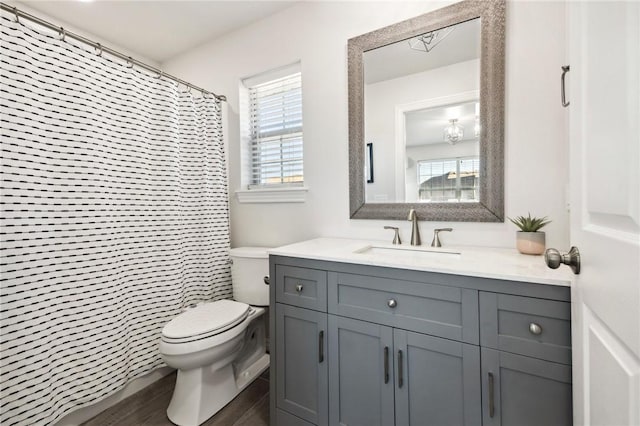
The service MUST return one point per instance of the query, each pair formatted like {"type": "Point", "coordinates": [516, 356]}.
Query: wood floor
{"type": "Point", "coordinates": [148, 407]}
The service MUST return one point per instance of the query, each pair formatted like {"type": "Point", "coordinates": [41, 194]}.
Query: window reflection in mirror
{"type": "Point", "coordinates": [447, 180]}
{"type": "Point", "coordinates": [421, 102]}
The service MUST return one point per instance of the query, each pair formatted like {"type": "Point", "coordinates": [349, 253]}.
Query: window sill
{"type": "Point", "coordinates": [273, 195]}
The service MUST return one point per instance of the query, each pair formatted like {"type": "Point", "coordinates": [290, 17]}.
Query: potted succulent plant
{"type": "Point", "coordinates": [530, 240]}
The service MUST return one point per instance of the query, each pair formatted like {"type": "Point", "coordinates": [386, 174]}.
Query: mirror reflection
{"type": "Point", "coordinates": [421, 103]}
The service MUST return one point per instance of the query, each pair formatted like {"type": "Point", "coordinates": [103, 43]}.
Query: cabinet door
{"type": "Point", "coordinates": [301, 364]}
{"type": "Point", "coordinates": [361, 376]}
{"type": "Point", "coordinates": [522, 391]}
{"type": "Point", "coordinates": [437, 381]}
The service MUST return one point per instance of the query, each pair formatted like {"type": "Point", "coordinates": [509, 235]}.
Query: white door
{"type": "Point", "coordinates": [604, 51]}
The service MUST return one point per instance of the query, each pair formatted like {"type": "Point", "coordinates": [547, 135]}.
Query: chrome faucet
{"type": "Point", "coordinates": [436, 238]}
{"type": "Point", "coordinates": [415, 232]}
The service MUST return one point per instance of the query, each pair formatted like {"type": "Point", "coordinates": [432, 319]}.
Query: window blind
{"type": "Point", "coordinates": [276, 131]}
{"type": "Point", "coordinates": [455, 179]}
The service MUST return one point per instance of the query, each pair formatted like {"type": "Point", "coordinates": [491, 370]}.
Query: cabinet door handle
{"type": "Point", "coordinates": [400, 382]}
{"type": "Point", "coordinates": [492, 408]}
{"type": "Point", "coordinates": [321, 346]}
{"type": "Point", "coordinates": [386, 364]}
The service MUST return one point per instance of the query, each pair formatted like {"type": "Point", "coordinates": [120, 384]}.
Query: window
{"type": "Point", "coordinates": [275, 132]}
{"type": "Point", "coordinates": [453, 179]}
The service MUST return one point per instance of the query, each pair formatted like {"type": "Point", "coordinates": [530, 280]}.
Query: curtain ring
{"type": "Point", "coordinates": [62, 33]}
{"type": "Point", "coordinates": [160, 74]}
{"type": "Point", "coordinates": [130, 62]}
{"type": "Point", "coordinates": [99, 47]}
{"type": "Point", "coordinates": [15, 12]}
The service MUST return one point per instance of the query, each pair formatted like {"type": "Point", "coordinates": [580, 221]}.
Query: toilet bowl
{"type": "Point", "coordinates": [218, 347]}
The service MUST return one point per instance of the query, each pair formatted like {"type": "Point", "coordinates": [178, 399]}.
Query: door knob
{"type": "Point", "coordinates": [554, 259]}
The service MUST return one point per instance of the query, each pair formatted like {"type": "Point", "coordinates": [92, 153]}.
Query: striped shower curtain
{"type": "Point", "coordinates": [114, 217]}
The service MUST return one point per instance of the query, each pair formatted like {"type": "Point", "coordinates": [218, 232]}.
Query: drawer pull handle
{"type": "Point", "coordinates": [535, 329]}
{"type": "Point", "coordinates": [492, 407]}
{"type": "Point", "coordinates": [321, 347]}
{"type": "Point", "coordinates": [299, 287]}
{"type": "Point", "coordinates": [386, 364]}
{"type": "Point", "coordinates": [392, 303]}
{"type": "Point", "coordinates": [400, 373]}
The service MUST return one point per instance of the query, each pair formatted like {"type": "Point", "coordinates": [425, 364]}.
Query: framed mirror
{"type": "Point", "coordinates": [428, 93]}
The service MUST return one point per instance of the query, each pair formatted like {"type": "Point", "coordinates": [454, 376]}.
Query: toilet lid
{"type": "Point", "coordinates": [206, 319]}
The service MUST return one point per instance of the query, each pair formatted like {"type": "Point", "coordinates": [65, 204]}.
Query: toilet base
{"type": "Point", "coordinates": [200, 393]}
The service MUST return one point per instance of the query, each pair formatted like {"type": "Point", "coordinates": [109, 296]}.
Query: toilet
{"type": "Point", "coordinates": [219, 347]}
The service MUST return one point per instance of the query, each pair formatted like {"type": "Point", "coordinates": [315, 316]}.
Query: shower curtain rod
{"type": "Point", "coordinates": [64, 33]}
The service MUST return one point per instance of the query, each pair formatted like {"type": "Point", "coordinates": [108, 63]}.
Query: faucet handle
{"type": "Point", "coordinates": [396, 238]}
{"type": "Point", "coordinates": [436, 238]}
{"type": "Point", "coordinates": [442, 229]}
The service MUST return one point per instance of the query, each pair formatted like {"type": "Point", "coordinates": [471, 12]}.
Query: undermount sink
{"type": "Point", "coordinates": [414, 253]}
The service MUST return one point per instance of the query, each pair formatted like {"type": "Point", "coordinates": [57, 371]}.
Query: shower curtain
{"type": "Point", "coordinates": [114, 218]}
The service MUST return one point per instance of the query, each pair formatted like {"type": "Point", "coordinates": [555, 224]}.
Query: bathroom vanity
{"type": "Point", "coordinates": [372, 334]}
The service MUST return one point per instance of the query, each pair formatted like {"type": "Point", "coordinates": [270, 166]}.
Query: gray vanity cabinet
{"type": "Point", "coordinates": [381, 376]}
{"type": "Point", "coordinates": [301, 381]}
{"type": "Point", "coordinates": [539, 328]}
{"type": "Point", "coordinates": [366, 345]}
{"type": "Point", "coordinates": [524, 391]}
{"type": "Point", "coordinates": [526, 360]}
{"type": "Point", "coordinates": [437, 382]}
{"type": "Point", "coordinates": [361, 378]}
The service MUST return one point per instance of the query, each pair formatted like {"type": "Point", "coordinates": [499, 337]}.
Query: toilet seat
{"type": "Point", "coordinates": [173, 347]}
{"type": "Point", "coordinates": [204, 321]}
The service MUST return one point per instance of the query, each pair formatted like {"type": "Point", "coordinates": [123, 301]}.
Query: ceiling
{"type": "Point", "coordinates": [156, 30]}
{"type": "Point", "coordinates": [398, 59]}
{"type": "Point", "coordinates": [426, 126]}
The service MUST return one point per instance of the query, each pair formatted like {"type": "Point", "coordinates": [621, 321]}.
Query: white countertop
{"type": "Point", "coordinates": [484, 262]}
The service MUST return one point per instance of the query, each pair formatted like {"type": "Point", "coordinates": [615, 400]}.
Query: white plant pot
{"type": "Point", "coordinates": [530, 242]}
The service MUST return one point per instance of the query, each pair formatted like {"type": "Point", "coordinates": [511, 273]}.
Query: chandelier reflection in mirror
{"type": "Point", "coordinates": [427, 41]}
{"type": "Point", "coordinates": [453, 132]}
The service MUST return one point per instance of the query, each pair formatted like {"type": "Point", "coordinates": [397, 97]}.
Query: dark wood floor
{"type": "Point", "coordinates": [148, 407]}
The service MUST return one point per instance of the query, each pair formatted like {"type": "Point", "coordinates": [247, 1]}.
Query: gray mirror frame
{"type": "Point", "coordinates": [490, 208]}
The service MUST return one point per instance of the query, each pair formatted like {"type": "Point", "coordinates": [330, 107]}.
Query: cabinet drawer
{"type": "Point", "coordinates": [524, 325]}
{"type": "Point", "coordinates": [303, 287]}
{"type": "Point", "coordinates": [442, 311]}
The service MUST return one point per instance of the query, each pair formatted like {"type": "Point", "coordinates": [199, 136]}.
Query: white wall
{"type": "Point", "coordinates": [316, 33]}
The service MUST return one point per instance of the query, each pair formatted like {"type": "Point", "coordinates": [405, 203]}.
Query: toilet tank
{"type": "Point", "coordinates": [249, 267]}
